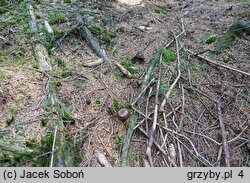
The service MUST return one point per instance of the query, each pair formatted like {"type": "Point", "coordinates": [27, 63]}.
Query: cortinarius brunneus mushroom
{"type": "Point", "coordinates": [123, 114]}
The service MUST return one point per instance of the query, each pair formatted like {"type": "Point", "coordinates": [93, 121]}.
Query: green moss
{"type": "Point", "coordinates": [58, 33]}
{"type": "Point", "coordinates": [118, 75]}
{"type": "Point", "coordinates": [37, 1]}
{"type": "Point", "coordinates": [225, 41]}
{"type": "Point", "coordinates": [98, 101]}
{"type": "Point", "coordinates": [11, 115]}
{"type": "Point", "coordinates": [107, 36]}
{"type": "Point", "coordinates": [96, 27]}
{"type": "Point", "coordinates": [210, 39]}
{"type": "Point", "coordinates": [56, 18]}
{"type": "Point", "coordinates": [66, 73]}
{"type": "Point", "coordinates": [168, 56]}
{"type": "Point", "coordinates": [22, 6]}
{"type": "Point", "coordinates": [3, 6]}
{"type": "Point", "coordinates": [31, 143]}
{"type": "Point", "coordinates": [116, 106]}
{"type": "Point", "coordinates": [67, 1]}
{"type": "Point", "coordinates": [118, 142]}
{"type": "Point", "coordinates": [44, 122]}
{"type": "Point", "coordinates": [130, 67]}
{"type": "Point", "coordinates": [58, 62]}
{"type": "Point", "coordinates": [4, 75]}
{"type": "Point", "coordinates": [161, 11]}
{"type": "Point", "coordinates": [44, 146]}
{"type": "Point", "coordinates": [72, 153]}
{"type": "Point", "coordinates": [113, 160]}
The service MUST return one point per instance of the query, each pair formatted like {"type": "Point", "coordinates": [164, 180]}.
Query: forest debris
{"type": "Point", "coordinates": [93, 44]}
{"type": "Point", "coordinates": [143, 91]}
{"type": "Point", "coordinates": [226, 40]}
{"type": "Point", "coordinates": [219, 64]}
{"type": "Point", "coordinates": [167, 95]}
{"type": "Point", "coordinates": [172, 152]}
{"type": "Point", "coordinates": [143, 27]}
{"type": "Point", "coordinates": [124, 71]}
{"type": "Point", "coordinates": [40, 51]}
{"type": "Point", "coordinates": [224, 135]}
{"type": "Point", "coordinates": [2, 98]}
{"type": "Point", "coordinates": [48, 27]}
{"type": "Point", "coordinates": [127, 139]}
{"type": "Point", "coordinates": [130, 2]}
{"type": "Point", "coordinates": [153, 128]}
{"type": "Point", "coordinates": [102, 159]}
{"type": "Point", "coordinates": [15, 148]}
{"type": "Point", "coordinates": [32, 22]}
{"type": "Point", "coordinates": [42, 57]}
{"type": "Point", "coordinates": [53, 148]}
{"type": "Point", "coordinates": [243, 26]}
{"type": "Point", "coordinates": [94, 63]}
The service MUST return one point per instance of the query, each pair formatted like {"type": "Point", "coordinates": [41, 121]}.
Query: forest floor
{"type": "Point", "coordinates": [206, 118]}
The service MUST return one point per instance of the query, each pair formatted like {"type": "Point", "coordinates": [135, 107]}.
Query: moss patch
{"type": "Point", "coordinates": [225, 41]}
{"type": "Point", "coordinates": [56, 18]}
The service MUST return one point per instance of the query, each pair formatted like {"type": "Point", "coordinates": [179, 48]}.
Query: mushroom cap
{"type": "Point", "coordinates": [123, 114]}
{"type": "Point", "coordinates": [88, 101]}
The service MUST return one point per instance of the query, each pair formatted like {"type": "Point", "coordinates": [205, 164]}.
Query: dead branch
{"type": "Point", "coordinates": [219, 64]}
{"type": "Point", "coordinates": [152, 131]}
{"type": "Point", "coordinates": [102, 159]}
{"type": "Point", "coordinates": [182, 109]}
{"type": "Point", "coordinates": [142, 92]}
{"type": "Point", "coordinates": [53, 148]}
{"type": "Point", "coordinates": [32, 22]}
{"type": "Point", "coordinates": [127, 139]}
{"type": "Point", "coordinates": [94, 63]}
{"type": "Point", "coordinates": [124, 71]}
{"type": "Point", "coordinates": [224, 135]}
{"type": "Point", "coordinates": [195, 150]}
{"type": "Point", "coordinates": [86, 34]}
{"type": "Point", "coordinates": [48, 27]}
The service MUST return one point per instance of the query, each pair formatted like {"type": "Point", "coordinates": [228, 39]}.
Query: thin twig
{"type": "Point", "coordinates": [166, 96]}
{"type": "Point", "coordinates": [53, 148]}
{"type": "Point", "coordinates": [142, 92]}
{"type": "Point", "coordinates": [195, 150]}
{"type": "Point", "coordinates": [182, 109]}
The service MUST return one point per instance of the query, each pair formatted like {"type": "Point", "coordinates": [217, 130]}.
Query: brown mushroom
{"type": "Point", "coordinates": [123, 114]}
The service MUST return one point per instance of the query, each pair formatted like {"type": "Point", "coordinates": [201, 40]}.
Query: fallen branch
{"type": "Point", "coordinates": [142, 92]}
{"type": "Point", "coordinates": [102, 159]}
{"type": "Point", "coordinates": [124, 71]}
{"type": "Point", "coordinates": [127, 139]}
{"type": "Point", "coordinates": [94, 63]}
{"type": "Point", "coordinates": [53, 148]}
{"type": "Point", "coordinates": [32, 22]}
{"type": "Point", "coordinates": [219, 64]}
{"type": "Point", "coordinates": [134, 116]}
{"type": "Point", "coordinates": [224, 135]}
{"type": "Point", "coordinates": [152, 131]}
{"type": "Point", "coordinates": [93, 44]}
